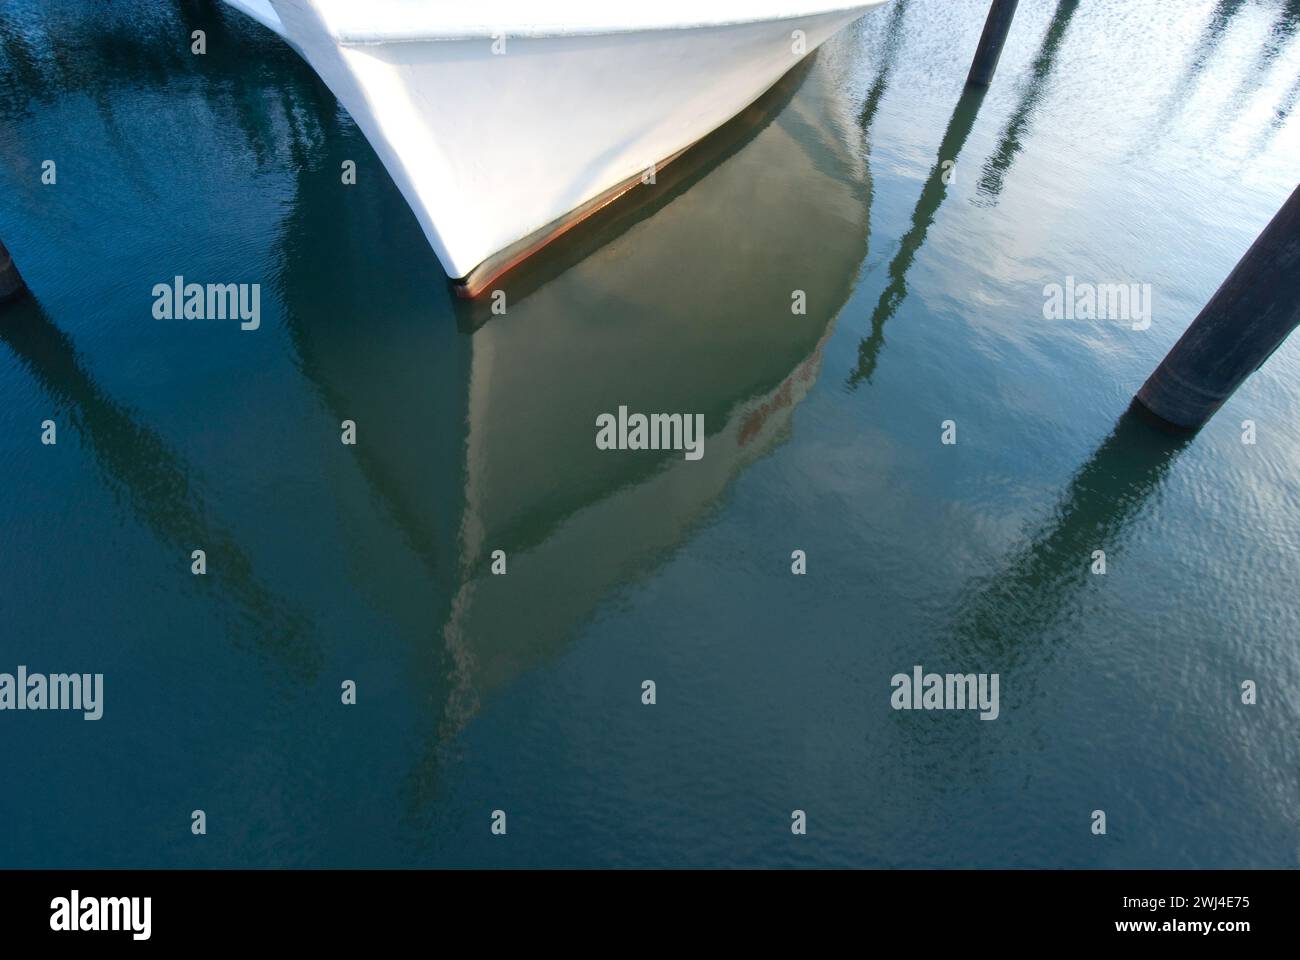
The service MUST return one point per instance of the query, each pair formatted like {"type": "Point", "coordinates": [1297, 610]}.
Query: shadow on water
{"type": "Point", "coordinates": [1013, 134]}
{"type": "Point", "coordinates": [1004, 613]}
{"type": "Point", "coordinates": [927, 207]}
{"type": "Point", "coordinates": [157, 485]}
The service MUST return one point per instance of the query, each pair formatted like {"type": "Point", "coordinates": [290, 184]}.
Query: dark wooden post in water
{"type": "Point", "coordinates": [1245, 321]}
{"type": "Point", "coordinates": [11, 284]}
{"type": "Point", "coordinates": [994, 36]}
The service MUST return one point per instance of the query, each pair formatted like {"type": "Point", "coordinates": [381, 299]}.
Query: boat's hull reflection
{"type": "Point", "coordinates": [711, 293]}
{"type": "Point", "coordinates": [693, 308]}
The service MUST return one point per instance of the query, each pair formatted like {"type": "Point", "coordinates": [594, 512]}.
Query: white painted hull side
{"type": "Point", "coordinates": [499, 137]}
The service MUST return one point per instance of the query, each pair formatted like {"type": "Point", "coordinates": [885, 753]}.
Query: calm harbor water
{"type": "Point", "coordinates": [1144, 142]}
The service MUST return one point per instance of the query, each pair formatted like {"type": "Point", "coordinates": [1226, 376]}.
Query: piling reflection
{"type": "Point", "coordinates": [1283, 30]}
{"type": "Point", "coordinates": [927, 207]}
{"type": "Point", "coordinates": [248, 84]}
{"type": "Point", "coordinates": [1005, 619]}
{"type": "Point", "coordinates": [888, 57]}
{"type": "Point", "coordinates": [1216, 27]}
{"type": "Point", "coordinates": [1279, 37]}
{"type": "Point", "coordinates": [249, 81]}
{"type": "Point", "coordinates": [887, 54]}
{"type": "Point", "coordinates": [46, 52]}
{"type": "Point", "coordinates": [1016, 130]}
{"type": "Point", "coordinates": [1005, 613]}
{"type": "Point", "coordinates": [1285, 106]}
{"type": "Point", "coordinates": [158, 486]}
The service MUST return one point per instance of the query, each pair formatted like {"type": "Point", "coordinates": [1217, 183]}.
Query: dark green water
{"type": "Point", "coordinates": [1142, 142]}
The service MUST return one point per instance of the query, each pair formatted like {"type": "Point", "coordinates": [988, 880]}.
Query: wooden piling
{"type": "Point", "coordinates": [11, 284]}
{"type": "Point", "coordinates": [1249, 316]}
{"type": "Point", "coordinates": [996, 28]}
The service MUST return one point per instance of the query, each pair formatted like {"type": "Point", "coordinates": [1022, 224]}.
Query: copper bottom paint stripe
{"type": "Point", "coordinates": [506, 259]}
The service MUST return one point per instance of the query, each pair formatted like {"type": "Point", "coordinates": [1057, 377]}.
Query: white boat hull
{"type": "Point", "coordinates": [500, 138]}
